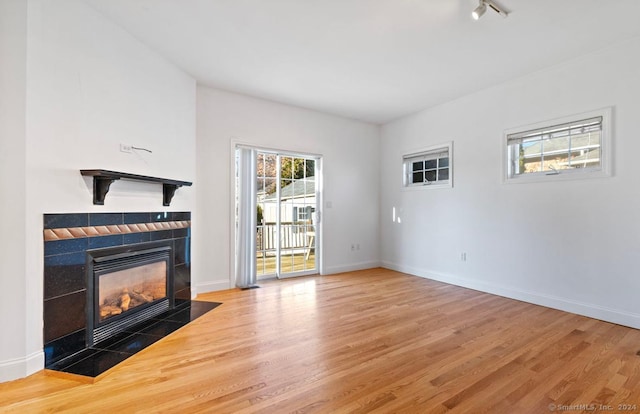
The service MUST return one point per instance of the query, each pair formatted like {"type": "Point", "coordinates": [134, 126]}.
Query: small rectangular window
{"type": "Point", "coordinates": [304, 213]}
{"type": "Point", "coordinates": [429, 167]}
{"type": "Point", "coordinates": [573, 147]}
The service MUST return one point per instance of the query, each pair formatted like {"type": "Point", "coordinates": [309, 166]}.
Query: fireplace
{"type": "Point", "coordinates": [148, 254]}
{"type": "Point", "coordinates": [126, 286]}
{"type": "Point", "coordinates": [77, 245]}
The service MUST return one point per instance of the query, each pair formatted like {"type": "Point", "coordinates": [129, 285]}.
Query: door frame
{"type": "Point", "coordinates": [234, 144]}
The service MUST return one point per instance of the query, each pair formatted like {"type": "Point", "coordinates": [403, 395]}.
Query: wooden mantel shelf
{"type": "Point", "coordinates": [102, 180]}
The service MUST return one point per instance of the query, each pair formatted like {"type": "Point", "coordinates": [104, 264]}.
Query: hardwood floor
{"type": "Point", "coordinates": [361, 342]}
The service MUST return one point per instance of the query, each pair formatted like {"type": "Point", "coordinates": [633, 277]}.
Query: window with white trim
{"type": "Point", "coordinates": [573, 147]}
{"type": "Point", "coordinates": [303, 213]}
{"type": "Point", "coordinates": [431, 167]}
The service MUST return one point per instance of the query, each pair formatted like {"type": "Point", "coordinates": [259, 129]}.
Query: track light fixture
{"type": "Point", "coordinates": [479, 11]}
{"type": "Point", "coordinates": [482, 7]}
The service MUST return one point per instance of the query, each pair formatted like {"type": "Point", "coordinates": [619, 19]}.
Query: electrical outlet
{"type": "Point", "coordinates": [353, 246]}
{"type": "Point", "coordinates": [126, 148]}
{"type": "Point", "coordinates": [463, 256]}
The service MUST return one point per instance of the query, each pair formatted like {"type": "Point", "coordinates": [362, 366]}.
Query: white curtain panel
{"type": "Point", "coordinates": [246, 274]}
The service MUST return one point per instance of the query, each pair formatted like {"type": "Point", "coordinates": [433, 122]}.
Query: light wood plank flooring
{"type": "Point", "coordinates": [361, 342]}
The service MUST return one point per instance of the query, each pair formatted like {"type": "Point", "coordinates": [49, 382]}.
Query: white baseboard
{"type": "Point", "coordinates": [209, 287]}
{"type": "Point", "coordinates": [330, 270]}
{"type": "Point", "coordinates": [617, 316]}
{"type": "Point", "coordinates": [17, 368]}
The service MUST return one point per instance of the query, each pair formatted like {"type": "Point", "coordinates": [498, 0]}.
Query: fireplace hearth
{"type": "Point", "coordinates": [93, 362]}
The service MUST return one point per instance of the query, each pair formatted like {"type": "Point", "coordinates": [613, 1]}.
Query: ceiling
{"type": "Point", "coordinates": [371, 60]}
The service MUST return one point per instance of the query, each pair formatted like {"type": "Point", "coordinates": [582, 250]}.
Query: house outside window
{"type": "Point", "coordinates": [572, 147]}
{"type": "Point", "coordinates": [429, 168]}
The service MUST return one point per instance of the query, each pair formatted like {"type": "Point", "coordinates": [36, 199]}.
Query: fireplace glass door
{"type": "Point", "coordinates": [127, 289]}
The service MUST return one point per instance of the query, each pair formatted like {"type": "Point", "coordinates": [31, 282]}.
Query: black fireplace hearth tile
{"type": "Point", "coordinates": [180, 252]}
{"type": "Point", "coordinates": [64, 315]}
{"type": "Point", "coordinates": [199, 308]}
{"type": "Point", "coordinates": [134, 218]}
{"type": "Point", "coordinates": [133, 238]}
{"type": "Point", "coordinates": [63, 347]}
{"type": "Point", "coordinates": [56, 221]}
{"type": "Point", "coordinates": [162, 216]}
{"type": "Point", "coordinates": [66, 259]}
{"type": "Point", "coordinates": [97, 363]}
{"type": "Point", "coordinates": [134, 343]}
{"type": "Point", "coordinates": [63, 274]}
{"type": "Point", "coordinates": [65, 363]}
{"type": "Point", "coordinates": [163, 316]}
{"type": "Point", "coordinates": [65, 246]}
{"type": "Point", "coordinates": [162, 328]}
{"type": "Point", "coordinates": [193, 312]}
{"type": "Point", "coordinates": [192, 309]}
{"type": "Point", "coordinates": [182, 216]}
{"type": "Point", "coordinates": [181, 302]}
{"type": "Point", "coordinates": [105, 241]}
{"type": "Point", "coordinates": [181, 277]}
{"type": "Point", "coordinates": [161, 235]}
{"type": "Point", "coordinates": [184, 295]}
{"type": "Point", "coordinates": [181, 233]}
{"type": "Point", "coordinates": [183, 317]}
{"type": "Point", "coordinates": [105, 219]}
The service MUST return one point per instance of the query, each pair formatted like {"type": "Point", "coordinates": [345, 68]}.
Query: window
{"type": "Point", "coordinates": [303, 213]}
{"type": "Point", "coordinates": [431, 167]}
{"type": "Point", "coordinates": [572, 147]}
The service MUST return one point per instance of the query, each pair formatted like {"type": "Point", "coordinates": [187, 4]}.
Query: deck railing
{"type": "Point", "coordinates": [292, 236]}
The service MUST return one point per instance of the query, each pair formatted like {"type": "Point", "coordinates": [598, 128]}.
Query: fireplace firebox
{"type": "Point", "coordinates": [126, 286]}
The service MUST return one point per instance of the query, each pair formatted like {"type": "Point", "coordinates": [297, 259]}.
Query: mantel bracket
{"type": "Point", "coordinates": [101, 188]}
{"type": "Point", "coordinates": [168, 190]}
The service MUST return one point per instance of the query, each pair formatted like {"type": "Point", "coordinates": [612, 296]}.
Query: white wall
{"type": "Point", "coordinates": [570, 245]}
{"type": "Point", "coordinates": [13, 47]}
{"type": "Point", "coordinates": [350, 151]}
{"type": "Point", "coordinates": [89, 87]}
{"type": "Point", "coordinates": [92, 86]}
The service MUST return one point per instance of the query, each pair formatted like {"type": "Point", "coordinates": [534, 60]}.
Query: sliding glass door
{"type": "Point", "coordinates": [287, 200]}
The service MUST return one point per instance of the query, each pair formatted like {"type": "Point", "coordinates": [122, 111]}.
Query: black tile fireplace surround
{"type": "Point", "coordinates": [68, 238]}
